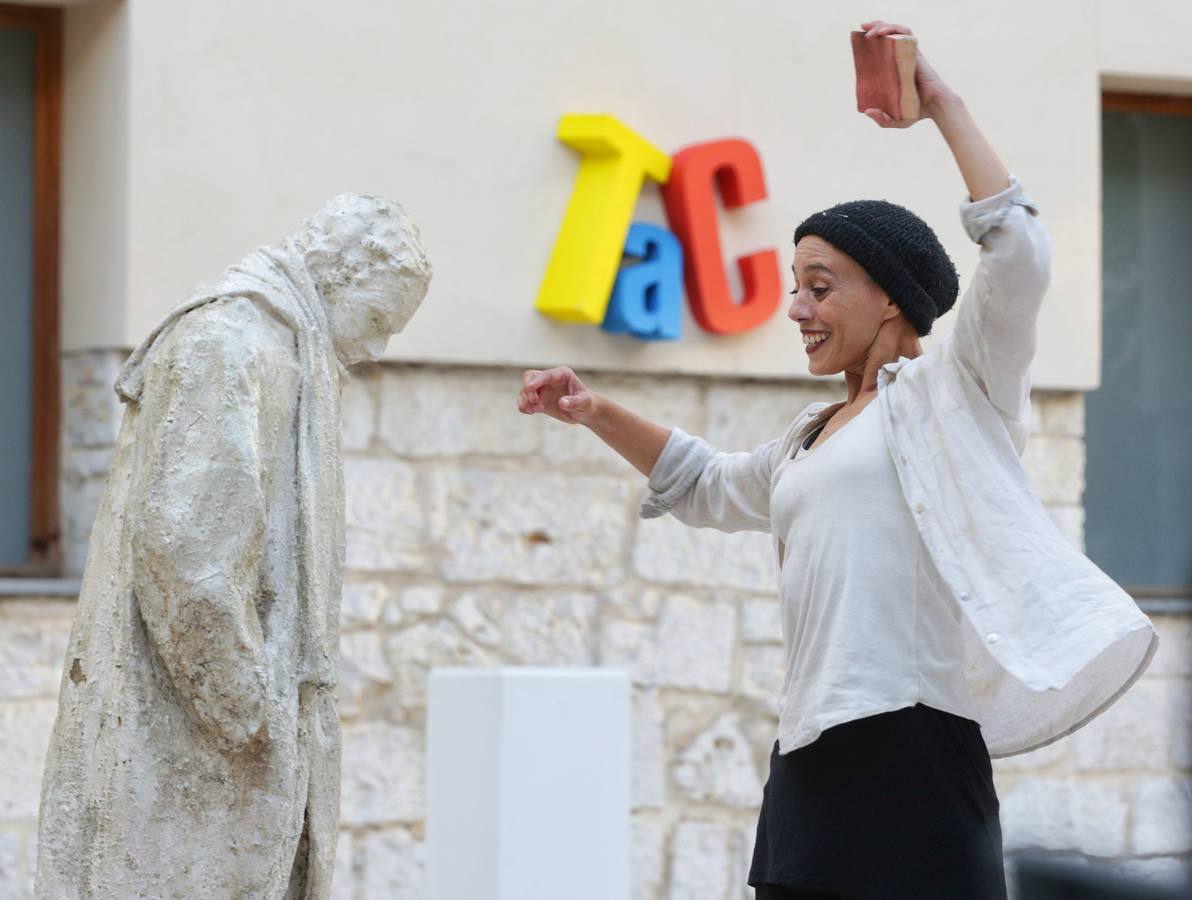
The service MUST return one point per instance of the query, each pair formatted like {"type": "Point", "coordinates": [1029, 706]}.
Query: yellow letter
{"type": "Point", "coordinates": [587, 254]}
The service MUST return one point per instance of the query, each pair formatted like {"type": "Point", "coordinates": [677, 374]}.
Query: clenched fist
{"type": "Point", "coordinates": [559, 393]}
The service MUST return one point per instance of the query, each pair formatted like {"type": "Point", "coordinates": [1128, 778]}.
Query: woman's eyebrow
{"type": "Point", "coordinates": [813, 267]}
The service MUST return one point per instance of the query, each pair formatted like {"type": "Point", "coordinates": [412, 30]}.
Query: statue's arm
{"type": "Point", "coordinates": [197, 527]}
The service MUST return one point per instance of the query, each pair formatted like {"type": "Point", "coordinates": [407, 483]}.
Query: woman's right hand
{"type": "Point", "coordinates": [558, 393]}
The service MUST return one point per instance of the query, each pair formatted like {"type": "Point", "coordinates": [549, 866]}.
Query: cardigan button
{"type": "Point", "coordinates": [919, 507]}
{"type": "Point", "coordinates": [964, 595]}
{"type": "Point", "coordinates": [992, 637]}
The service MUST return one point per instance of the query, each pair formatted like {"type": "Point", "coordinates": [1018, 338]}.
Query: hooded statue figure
{"type": "Point", "coordinates": [196, 751]}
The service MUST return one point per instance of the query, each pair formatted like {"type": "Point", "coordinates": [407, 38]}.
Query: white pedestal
{"type": "Point", "coordinates": [528, 784]}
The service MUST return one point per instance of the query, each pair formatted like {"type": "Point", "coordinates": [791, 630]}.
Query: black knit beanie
{"type": "Point", "coordinates": [898, 250]}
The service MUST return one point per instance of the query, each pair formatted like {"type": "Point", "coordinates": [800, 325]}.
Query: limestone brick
{"type": "Point", "coordinates": [33, 637]}
{"type": "Point", "coordinates": [718, 767]}
{"type": "Point", "coordinates": [363, 602]}
{"type": "Point", "coordinates": [25, 727]}
{"type": "Point", "coordinates": [528, 528]}
{"type": "Point", "coordinates": [91, 411]}
{"type": "Point", "coordinates": [421, 599]}
{"type": "Point", "coordinates": [665, 401]}
{"type": "Point", "coordinates": [648, 788]}
{"type": "Point", "coordinates": [1162, 822]}
{"type": "Point", "coordinates": [700, 865]}
{"type": "Point", "coordinates": [554, 629]}
{"type": "Point", "coordinates": [1059, 413]}
{"type": "Point", "coordinates": [1131, 734]}
{"type": "Point", "coordinates": [413, 651]}
{"type": "Point", "coordinates": [647, 859]}
{"type": "Point", "coordinates": [479, 614]}
{"type": "Point", "coordinates": [761, 622]}
{"type": "Point", "coordinates": [363, 671]}
{"type": "Point", "coordinates": [669, 552]}
{"type": "Point", "coordinates": [1065, 814]}
{"type": "Point", "coordinates": [453, 412]}
{"type": "Point", "coordinates": [11, 865]}
{"type": "Point", "coordinates": [1174, 655]}
{"type": "Point", "coordinates": [1179, 712]}
{"type": "Point", "coordinates": [1070, 521]}
{"type": "Point", "coordinates": [1056, 468]}
{"type": "Point", "coordinates": [383, 775]}
{"type": "Point", "coordinates": [388, 527]}
{"type": "Point", "coordinates": [742, 416]}
{"type": "Point", "coordinates": [1165, 871]}
{"type": "Point", "coordinates": [84, 473]}
{"type": "Point", "coordinates": [343, 878]}
{"type": "Point", "coordinates": [690, 646]}
{"type": "Point", "coordinates": [762, 669]}
{"type": "Point", "coordinates": [392, 865]}
{"type": "Point", "coordinates": [358, 409]}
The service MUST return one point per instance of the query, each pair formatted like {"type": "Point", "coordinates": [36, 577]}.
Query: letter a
{"type": "Point", "coordinates": [691, 208]}
{"type": "Point", "coordinates": [616, 161]}
{"type": "Point", "coordinates": [647, 299]}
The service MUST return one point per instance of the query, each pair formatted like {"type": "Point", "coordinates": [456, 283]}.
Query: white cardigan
{"type": "Point", "coordinates": [1053, 641]}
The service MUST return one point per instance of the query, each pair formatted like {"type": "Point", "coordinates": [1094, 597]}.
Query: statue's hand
{"type": "Point", "coordinates": [558, 393]}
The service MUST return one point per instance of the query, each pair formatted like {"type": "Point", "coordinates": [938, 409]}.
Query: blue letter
{"type": "Point", "coordinates": [647, 298]}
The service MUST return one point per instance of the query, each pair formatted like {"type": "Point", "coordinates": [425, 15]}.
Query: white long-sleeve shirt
{"type": "Point", "coordinates": [1047, 640]}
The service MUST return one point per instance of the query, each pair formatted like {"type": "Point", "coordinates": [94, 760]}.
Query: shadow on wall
{"type": "Point", "coordinates": [1043, 878]}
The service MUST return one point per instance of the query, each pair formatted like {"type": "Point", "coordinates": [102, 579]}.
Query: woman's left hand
{"type": "Point", "coordinates": [931, 88]}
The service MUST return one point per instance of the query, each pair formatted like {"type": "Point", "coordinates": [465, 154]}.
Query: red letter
{"type": "Point", "coordinates": [691, 208]}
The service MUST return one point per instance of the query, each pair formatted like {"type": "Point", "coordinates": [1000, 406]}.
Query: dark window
{"type": "Point", "coordinates": [1138, 500]}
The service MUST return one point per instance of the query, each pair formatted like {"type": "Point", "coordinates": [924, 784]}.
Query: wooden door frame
{"type": "Point", "coordinates": [46, 26]}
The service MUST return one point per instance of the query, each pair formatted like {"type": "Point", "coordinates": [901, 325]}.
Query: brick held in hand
{"type": "Point", "coordinates": [886, 74]}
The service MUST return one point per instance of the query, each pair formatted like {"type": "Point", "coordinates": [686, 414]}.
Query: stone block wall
{"type": "Point", "coordinates": [477, 536]}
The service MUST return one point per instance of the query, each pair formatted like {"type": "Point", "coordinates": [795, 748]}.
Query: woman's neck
{"type": "Point", "coordinates": [889, 346]}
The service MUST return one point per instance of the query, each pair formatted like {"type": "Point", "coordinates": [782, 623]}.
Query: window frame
{"type": "Point", "coordinates": [44, 526]}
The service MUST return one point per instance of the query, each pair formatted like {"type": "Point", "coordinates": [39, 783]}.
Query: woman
{"type": "Point", "coordinates": [932, 614]}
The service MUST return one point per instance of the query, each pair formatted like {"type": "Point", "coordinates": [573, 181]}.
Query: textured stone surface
{"type": "Point", "coordinates": [363, 672]}
{"type": "Point", "coordinates": [649, 775]}
{"type": "Point", "coordinates": [1059, 413]}
{"type": "Point", "coordinates": [441, 412]}
{"type": "Point", "coordinates": [84, 472]}
{"type": "Point", "coordinates": [1070, 521]}
{"type": "Point", "coordinates": [383, 775]}
{"type": "Point", "coordinates": [1044, 757]}
{"type": "Point", "coordinates": [1142, 714]}
{"type": "Point", "coordinates": [32, 647]}
{"type": "Point", "coordinates": [12, 875]}
{"type": "Point", "coordinates": [389, 528]}
{"type": "Point", "coordinates": [343, 883]}
{"type": "Point", "coordinates": [762, 669]}
{"type": "Point", "coordinates": [1056, 468]}
{"type": "Point", "coordinates": [358, 409]}
{"type": "Point", "coordinates": [1162, 816]}
{"type": "Point", "coordinates": [413, 651]}
{"type": "Point", "coordinates": [363, 603]}
{"type": "Point", "coordinates": [25, 727]}
{"type": "Point", "coordinates": [742, 416]}
{"type": "Point", "coordinates": [718, 767]}
{"type": "Point", "coordinates": [700, 864]}
{"type": "Point", "coordinates": [1065, 814]}
{"type": "Point", "coordinates": [668, 551]}
{"type": "Point", "coordinates": [90, 408]}
{"type": "Point", "coordinates": [690, 645]}
{"type": "Point", "coordinates": [1174, 656]}
{"type": "Point", "coordinates": [556, 629]}
{"type": "Point", "coordinates": [1179, 712]}
{"type": "Point", "coordinates": [535, 529]}
{"type": "Point", "coordinates": [761, 622]}
{"type": "Point", "coordinates": [647, 850]}
{"type": "Point", "coordinates": [392, 865]}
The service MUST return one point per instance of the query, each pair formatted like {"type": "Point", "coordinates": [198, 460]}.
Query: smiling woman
{"type": "Point", "coordinates": [919, 575]}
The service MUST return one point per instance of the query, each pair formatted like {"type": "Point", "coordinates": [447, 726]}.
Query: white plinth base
{"type": "Point", "coordinates": [528, 784]}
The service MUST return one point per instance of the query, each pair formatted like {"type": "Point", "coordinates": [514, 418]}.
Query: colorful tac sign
{"type": "Point", "coordinates": [584, 280]}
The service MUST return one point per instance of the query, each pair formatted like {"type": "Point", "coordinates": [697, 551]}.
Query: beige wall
{"type": "Point", "coordinates": [238, 119]}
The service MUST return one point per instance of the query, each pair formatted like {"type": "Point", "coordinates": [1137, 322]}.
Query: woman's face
{"type": "Point", "coordinates": [837, 306]}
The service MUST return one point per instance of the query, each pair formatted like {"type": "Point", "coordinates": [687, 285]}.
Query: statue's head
{"type": "Point", "coordinates": [366, 258]}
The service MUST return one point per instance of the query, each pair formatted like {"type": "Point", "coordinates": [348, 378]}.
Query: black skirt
{"type": "Point", "coordinates": [900, 805]}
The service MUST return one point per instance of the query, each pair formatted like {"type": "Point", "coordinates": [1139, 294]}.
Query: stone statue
{"type": "Point", "coordinates": [196, 751]}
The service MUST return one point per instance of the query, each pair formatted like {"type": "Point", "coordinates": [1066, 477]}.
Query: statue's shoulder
{"type": "Point", "coordinates": [238, 333]}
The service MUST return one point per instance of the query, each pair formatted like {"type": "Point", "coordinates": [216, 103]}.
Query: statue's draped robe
{"type": "Point", "coordinates": [196, 749]}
